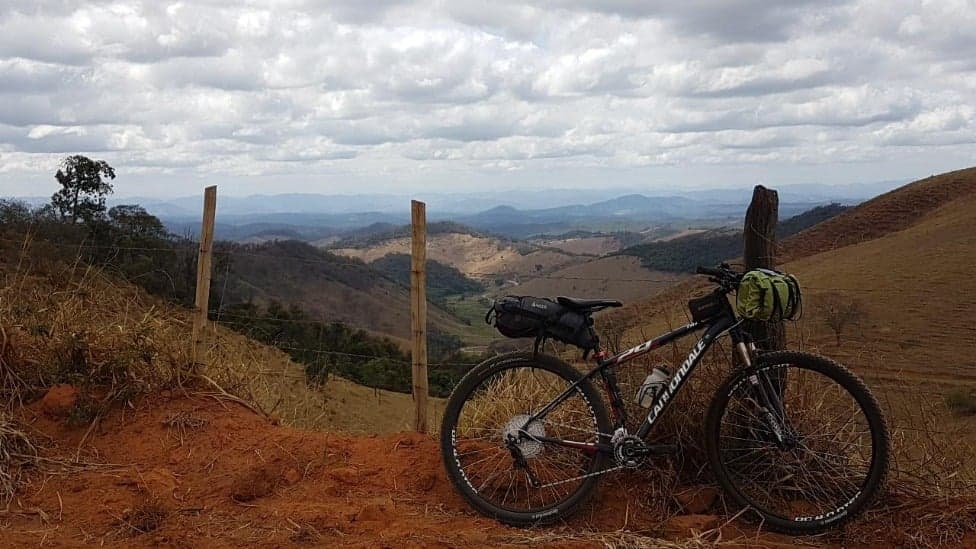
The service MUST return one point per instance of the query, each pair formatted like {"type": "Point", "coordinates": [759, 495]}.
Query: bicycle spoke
{"type": "Point", "coordinates": [501, 408]}
{"type": "Point", "coordinates": [821, 471]}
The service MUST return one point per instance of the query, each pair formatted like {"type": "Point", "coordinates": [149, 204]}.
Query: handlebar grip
{"type": "Point", "coordinates": [709, 271]}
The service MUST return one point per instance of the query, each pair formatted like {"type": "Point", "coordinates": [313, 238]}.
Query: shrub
{"type": "Point", "coordinates": [961, 401]}
{"type": "Point", "coordinates": [840, 313]}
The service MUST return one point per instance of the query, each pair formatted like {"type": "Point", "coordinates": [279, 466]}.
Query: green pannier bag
{"type": "Point", "coordinates": [767, 295]}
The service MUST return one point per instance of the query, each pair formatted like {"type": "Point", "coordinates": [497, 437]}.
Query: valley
{"type": "Point", "coordinates": [233, 451]}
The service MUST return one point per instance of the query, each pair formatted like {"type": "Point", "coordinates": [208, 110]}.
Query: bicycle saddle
{"type": "Point", "coordinates": [582, 304]}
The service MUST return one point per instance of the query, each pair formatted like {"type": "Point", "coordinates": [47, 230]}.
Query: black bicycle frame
{"type": "Point", "coordinates": [714, 328]}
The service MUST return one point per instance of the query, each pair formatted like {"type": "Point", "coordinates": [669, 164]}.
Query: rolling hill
{"type": "Point", "coordinates": [617, 277]}
{"type": "Point", "coordinates": [68, 323]}
{"type": "Point", "coordinates": [474, 254]}
{"type": "Point", "coordinates": [905, 258]}
{"type": "Point", "coordinates": [326, 286]}
{"type": "Point", "coordinates": [889, 212]}
{"type": "Point", "coordinates": [683, 253]}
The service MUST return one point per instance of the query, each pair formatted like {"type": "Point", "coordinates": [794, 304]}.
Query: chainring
{"type": "Point", "coordinates": [623, 452]}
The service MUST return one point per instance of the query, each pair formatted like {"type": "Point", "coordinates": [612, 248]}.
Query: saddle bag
{"type": "Point", "coordinates": [540, 318]}
{"type": "Point", "coordinates": [768, 296]}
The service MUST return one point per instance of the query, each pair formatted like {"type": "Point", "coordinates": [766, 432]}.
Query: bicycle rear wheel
{"type": "Point", "coordinates": [497, 460]}
{"type": "Point", "coordinates": [831, 461]}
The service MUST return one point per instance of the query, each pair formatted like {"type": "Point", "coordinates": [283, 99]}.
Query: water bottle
{"type": "Point", "coordinates": [652, 386]}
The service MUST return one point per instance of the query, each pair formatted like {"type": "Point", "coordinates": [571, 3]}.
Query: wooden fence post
{"type": "Point", "coordinates": [418, 312]}
{"type": "Point", "coordinates": [759, 236]}
{"type": "Point", "coordinates": [204, 263]}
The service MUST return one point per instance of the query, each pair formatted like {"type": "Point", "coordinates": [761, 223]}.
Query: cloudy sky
{"type": "Point", "coordinates": [388, 95]}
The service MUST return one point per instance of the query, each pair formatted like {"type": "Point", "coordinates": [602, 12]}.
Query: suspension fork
{"type": "Point", "coordinates": [768, 395]}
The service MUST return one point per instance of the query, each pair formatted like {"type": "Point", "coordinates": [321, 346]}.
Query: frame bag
{"type": "Point", "coordinates": [541, 318]}
{"type": "Point", "coordinates": [768, 296]}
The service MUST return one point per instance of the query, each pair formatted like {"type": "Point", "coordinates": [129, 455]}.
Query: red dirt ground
{"type": "Point", "coordinates": [195, 472]}
{"type": "Point", "coordinates": [192, 471]}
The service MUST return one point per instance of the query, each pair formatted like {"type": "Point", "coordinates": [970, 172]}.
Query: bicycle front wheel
{"type": "Point", "coordinates": [811, 463]}
{"type": "Point", "coordinates": [518, 471]}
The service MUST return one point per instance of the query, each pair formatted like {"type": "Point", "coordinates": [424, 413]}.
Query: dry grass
{"type": "Point", "coordinates": [269, 381]}
{"type": "Point", "coordinates": [961, 401]}
{"type": "Point", "coordinates": [469, 254]}
{"type": "Point", "coordinates": [145, 518]}
{"type": "Point", "coordinates": [18, 453]}
{"type": "Point", "coordinates": [930, 501]}
{"type": "Point", "coordinates": [615, 277]}
{"type": "Point", "coordinates": [71, 323]}
{"type": "Point", "coordinates": [634, 540]}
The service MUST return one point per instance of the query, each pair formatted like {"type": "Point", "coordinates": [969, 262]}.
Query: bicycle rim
{"type": "Point", "coordinates": [818, 475]}
{"type": "Point", "coordinates": [498, 407]}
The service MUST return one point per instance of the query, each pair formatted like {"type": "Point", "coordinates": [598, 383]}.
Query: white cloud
{"type": "Point", "coordinates": [387, 93]}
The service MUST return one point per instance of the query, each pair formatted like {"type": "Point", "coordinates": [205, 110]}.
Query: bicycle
{"type": "Point", "coordinates": [795, 438]}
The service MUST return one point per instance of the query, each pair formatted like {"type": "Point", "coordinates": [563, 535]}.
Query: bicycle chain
{"type": "Point", "coordinates": [588, 475]}
{"type": "Point", "coordinates": [550, 422]}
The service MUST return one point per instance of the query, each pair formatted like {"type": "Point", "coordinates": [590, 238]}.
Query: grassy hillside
{"type": "Point", "coordinates": [380, 232]}
{"type": "Point", "coordinates": [326, 286]}
{"type": "Point", "coordinates": [905, 258]}
{"type": "Point", "coordinates": [916, 289]}
{"type": "Point", "coordinates": [485, 257]}
{"type": "Point", "coordinates": [65, 322]}
{"type": "Point", "coordinates": [442, 280]}
{"type": "Point", "coordinates": [617, 277]}
{"type": "Point", "coordinates": [593, 243]}
{"type": "Point", "coordinates": [892, 211]}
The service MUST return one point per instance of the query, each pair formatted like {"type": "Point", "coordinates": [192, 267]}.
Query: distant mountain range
{"type": "Point", "coordinates": [516, 214]}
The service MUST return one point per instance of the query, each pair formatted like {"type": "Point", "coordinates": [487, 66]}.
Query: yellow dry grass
{"type": "Point", "coordinates": [71, 323]}
{"type": "Point", "coordinates": [472, 255]}
{"type": "Point", "coordinates": [617, 277]}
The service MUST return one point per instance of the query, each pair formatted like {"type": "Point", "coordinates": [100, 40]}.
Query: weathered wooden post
{"type": "Point", "coordinates": [759, 236]}
{"type": "Point", "coordinates": [204, 263]}
{"type": "Point", "coordinates": [418, 312]}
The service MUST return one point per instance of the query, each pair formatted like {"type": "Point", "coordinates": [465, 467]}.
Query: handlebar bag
{"type": "Point", "coordinates": [708, 306]}
{"type": "Point", "coordinates": [540, 318]}
{"type": "Point", "coordinates": [768, 296]}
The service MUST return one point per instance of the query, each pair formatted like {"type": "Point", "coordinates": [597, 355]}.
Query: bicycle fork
{"type": "Point", "coordinates": [768, 395]}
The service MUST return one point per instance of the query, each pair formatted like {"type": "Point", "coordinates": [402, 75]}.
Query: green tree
{"type": "Point", "coordinates": [84, 186]}
{"type": "Point", "coordinates": [134, 220]}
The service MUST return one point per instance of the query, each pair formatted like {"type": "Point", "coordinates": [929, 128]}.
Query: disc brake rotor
{"type": "Point", "coordinates": [530, 448]}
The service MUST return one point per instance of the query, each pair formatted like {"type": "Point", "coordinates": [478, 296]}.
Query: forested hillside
{"type": "Point", "coordinates": [684, 253]}
{"type": "Point", "coordinates": [442, 280]}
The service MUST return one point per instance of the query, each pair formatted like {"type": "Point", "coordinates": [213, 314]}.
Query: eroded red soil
{"type": "Point", "coordinates": [191, 471]}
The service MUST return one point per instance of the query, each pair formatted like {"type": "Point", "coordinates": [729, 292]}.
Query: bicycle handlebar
{"type": "Point", "coordinates": [710, 271]}
{"type": "Point", "coordinates": [724, 276]}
